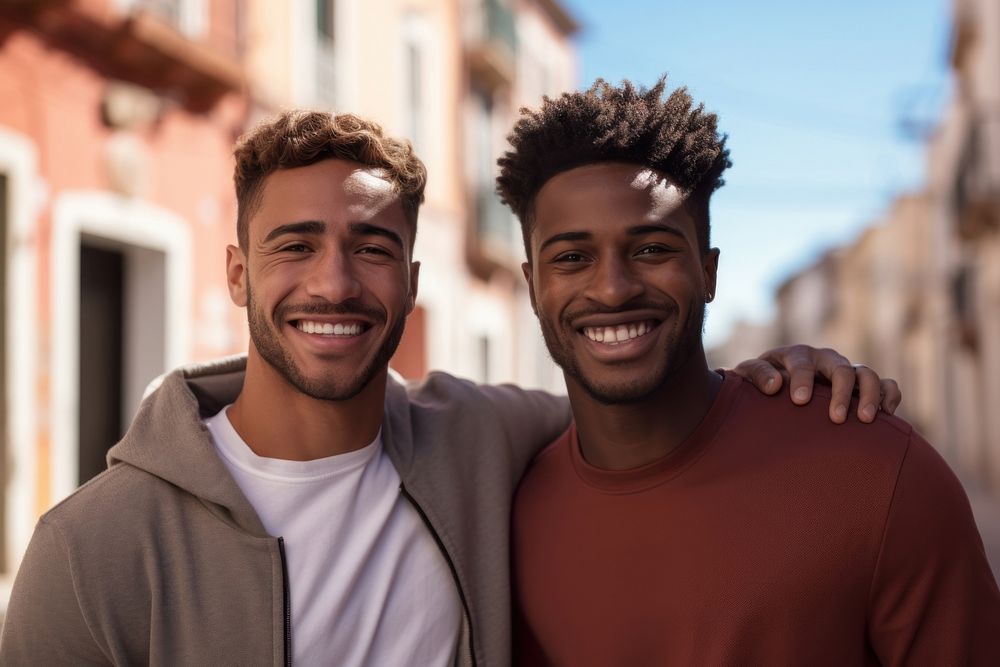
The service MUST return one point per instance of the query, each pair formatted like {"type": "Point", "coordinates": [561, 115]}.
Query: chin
{"type": "Point", "coordinates": [624, 392]}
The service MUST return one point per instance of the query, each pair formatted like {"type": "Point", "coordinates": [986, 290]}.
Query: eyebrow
{"type": "Point", "coordinates": [303, 227]}
{"type": "Point", "coordinates": [637, 230]}
{"type": "Point", "coordinates": [313, 227]}
{"type": "Point", "coordinates": [565, 236]}
{"type": "Point", "coordinates": [368, 229]}
{"type": "Point", "coordinates": [654, 228]}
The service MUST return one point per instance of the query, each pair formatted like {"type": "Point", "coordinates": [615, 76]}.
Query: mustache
{"type": "Point", "coordinates": [637, 304]}
{"type": "Point", "coordinates": [349, 307]}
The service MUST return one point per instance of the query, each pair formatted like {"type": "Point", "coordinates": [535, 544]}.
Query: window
{"type": "Point", "coordinates": [413, 54]}
{"type": "Point", "coordinates": [188, 16]}
{"type": "Point", "coordinates": [326, 60]}
{"type": "Point", "coordinates": [325, 19]}
{"type": "Point", "coordinates": [122, 282]}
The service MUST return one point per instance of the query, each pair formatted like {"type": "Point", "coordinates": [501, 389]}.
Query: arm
{"type": "Point", "coordinates": [532, 419]}
{"type": "Point", "coordinates": [44, 623]}
{"type": "Point", "coordinates": [933, 600]}
{"type": "Point", "coordinates": [800, 364]}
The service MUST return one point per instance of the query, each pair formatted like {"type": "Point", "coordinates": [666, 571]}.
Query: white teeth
{"type": "Point", "coordinates": [619, 333]}
{"type": "Point", "coordinates": [330, 329]}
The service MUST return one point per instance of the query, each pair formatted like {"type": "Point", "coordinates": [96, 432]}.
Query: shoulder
{"type": "Point", "coordinates": [776, 421]}
{"type": "Point", "coordinates": [857, 464]}
{"type": "Point", "coordinates": [120, 497]}
{"type": "Point", "coordinates": [457, 400]}
{"type": "Point", "coordinates": [442, 389]}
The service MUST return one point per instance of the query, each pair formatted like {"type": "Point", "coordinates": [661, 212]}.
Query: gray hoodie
{"type": "Point", "coordinates": [161, 560]}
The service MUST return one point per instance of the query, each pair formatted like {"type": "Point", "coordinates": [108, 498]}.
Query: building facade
{"type": "Point", "coordinates": [116, 199]}
{"type": "Point", "coordinates": [917, 295]}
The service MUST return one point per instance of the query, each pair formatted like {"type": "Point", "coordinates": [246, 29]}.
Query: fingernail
{"type": "Point", "coordinates": [868, 412]}
{"type": "Point", "coordinates": [840, 413]}
{"type": "Point", "coordinates": [801, 394]}
{"type": "Point", "coordinates": [769, 385]}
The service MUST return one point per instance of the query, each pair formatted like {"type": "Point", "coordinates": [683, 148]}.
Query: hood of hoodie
{"type": "Point", "coordinates": [168, 438]}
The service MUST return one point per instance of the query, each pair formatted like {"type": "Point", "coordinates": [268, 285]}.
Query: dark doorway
{"type": "Point", "coordinates": [102, 293]}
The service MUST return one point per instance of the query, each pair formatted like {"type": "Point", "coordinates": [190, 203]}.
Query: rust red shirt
{"type": "Point", "coordinates": [770, 536]}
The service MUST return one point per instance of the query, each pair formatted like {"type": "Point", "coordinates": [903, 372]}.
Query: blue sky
{"type": "Point", "coordinates": [811, 95]}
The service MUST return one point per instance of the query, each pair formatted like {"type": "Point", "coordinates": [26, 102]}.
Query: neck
{"type": "Point", "coordinates": [278, 421]}
{"type": "Point", "coordinates": [630, 435]}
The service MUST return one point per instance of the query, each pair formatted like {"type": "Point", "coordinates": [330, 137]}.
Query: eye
{"type": "Point", "coordinates": [652, 250]}
{"type": "Point", "coordinates": [295, 247]}
{"type": "Point", "coordinates": [570, 257]}
{"type": "Point", "coordinates": [374, 250]}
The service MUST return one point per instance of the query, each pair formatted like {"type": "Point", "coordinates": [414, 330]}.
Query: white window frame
{"type": "Point", "coordinates": [18, 161]}
{"type": "Point", "coordinates": [123, 220]}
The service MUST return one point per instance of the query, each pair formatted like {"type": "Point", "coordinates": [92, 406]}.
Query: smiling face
{"type": "Point", "coordinates": [326, 277]}
{"type": "Point", "coordinates": [618, 280]}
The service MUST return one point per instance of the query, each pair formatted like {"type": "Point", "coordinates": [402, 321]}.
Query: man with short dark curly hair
{"type": "Point", "coordinates": [684, 518]}
{"type": "Point", "coordinates": [606, 123]}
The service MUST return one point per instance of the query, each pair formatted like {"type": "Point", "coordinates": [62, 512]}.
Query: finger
{"type": "Point", "coordinates": [891, 395]}
{"type": "Point", "coordinates": [802, 366]}
{"type": "Point", "coordinates": [842, 378]}
{"type": "Point", "coordinates": [761, 373]}
{"type": "Point", "coordinates": [869, 393]}
{"type": "Point", "coordinates": [835, 367]}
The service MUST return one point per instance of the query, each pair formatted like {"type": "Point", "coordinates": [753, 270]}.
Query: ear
{"type": "Point", "coordinates": [526, 269]}
{"type": "Point", "coordinates": [236, 275]}
{"type": "Point", "coordinates": [710, 266]}
{"type": "Point", "coordinates": [414, 282]}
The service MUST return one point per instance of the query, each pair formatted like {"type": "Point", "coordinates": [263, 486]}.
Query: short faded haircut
{"type": "Point", "coordinates": [299, 138]}
{"type": "Point", "coordinates": [606, 123]}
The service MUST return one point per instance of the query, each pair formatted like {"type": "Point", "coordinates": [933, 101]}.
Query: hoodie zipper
{"type": "Point", "coordinates": [286, 603]}
{"type": "Point", "coordinates": [451, 566]}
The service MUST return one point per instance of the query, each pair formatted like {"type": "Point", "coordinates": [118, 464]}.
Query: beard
{"type": "Point", "coordinates": [330, 386]}
{"type": "Point", "coordinates": [679, 347]}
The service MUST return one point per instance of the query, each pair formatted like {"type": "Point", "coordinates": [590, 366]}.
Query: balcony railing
{"type": "Point", "coordinates": [977, 183]}
{"type": "Point", "coordinates": [493, 219]}
{"type": "Point", "coordinates": [492, 42]}
{"type": "Point", "coordinates": [499, 24]}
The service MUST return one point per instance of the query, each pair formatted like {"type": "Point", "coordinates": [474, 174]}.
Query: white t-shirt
{"type": "Point", "coordinates": [368, 583]}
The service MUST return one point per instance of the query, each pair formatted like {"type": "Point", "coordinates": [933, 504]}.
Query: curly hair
{"type": "Point", "coordinates": [615, 124]}
{"type": "Point", "coordinates": [299, 138]}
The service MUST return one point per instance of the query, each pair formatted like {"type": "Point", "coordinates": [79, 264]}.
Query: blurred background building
{"type": "Point", "coordinates": [117, 119]}
{"type": "Point", "coordinates": [116, 129]}
{"type": "Point", "coordinates": [917, 295]}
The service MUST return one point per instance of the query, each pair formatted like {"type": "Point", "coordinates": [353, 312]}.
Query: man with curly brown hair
{"type": "Point", "coordinates": [298, 504]}
{"type": "Point", "coordinates": [685, 518]}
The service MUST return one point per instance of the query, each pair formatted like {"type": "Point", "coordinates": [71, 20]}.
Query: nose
{"type": "Point", "coordinates": [332, 278]}
{"type": "Point", "coordinates": [613, 283]}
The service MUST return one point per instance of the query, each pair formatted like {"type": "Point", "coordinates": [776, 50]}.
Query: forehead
{"type": "Point", "coordinates": [629, 189]}
{"type": "Point", "coordinates": [329, 191]}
